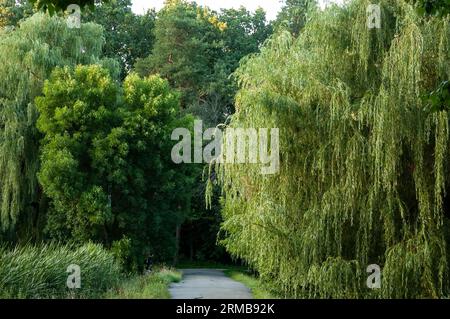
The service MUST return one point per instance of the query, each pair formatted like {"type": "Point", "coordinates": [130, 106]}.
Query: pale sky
{"type": "Point", "coordinates": [272, 7]}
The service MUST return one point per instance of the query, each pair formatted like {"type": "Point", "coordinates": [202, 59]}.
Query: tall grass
{"type": "Point", "coordinates": [151, 286]}
{"type": "Point", "coordinates": [40, 271]}
{"type": "Point", "coordinates": [259, 289]}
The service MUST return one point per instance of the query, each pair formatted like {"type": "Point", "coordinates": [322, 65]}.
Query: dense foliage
{"type": "Point", "coordinates": [40, 271]}
{"type": "Point", "coordinates": [12, 11]}
{"type": "Point", "coordinates": [86, 117]}
{"type": "Point", "coordinates": [127, 36]}
{"type": "Point", "coordinates": [198, 49]}
{"type": "Point", "coordinates": [365, 165]}
{"type": "Point", "coordinates": [100, 147]}
{"type": "Point", "coordinates": [28, 55]}
{"type": "Point", "coordinates": [106, 160]}
{"type": "Point", "coordinates": [432, 7]}
{"type": "Point", "coordinates": [294, 15]}
{"type": "Point", "coordinates": [54, 6]}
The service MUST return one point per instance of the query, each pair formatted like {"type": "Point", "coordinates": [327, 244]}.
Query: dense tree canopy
{"type": "Point", "coordinates": [198, 49]}
{"type": "Point", "coordinates": [87, 114]}
{"type": "Point", "coordinates": [76, 200]}
{"type": "Point", "coordinates": [364, 161]}
{"type": "Point", "coordinates": [28, 56]}
{"type": "Point", "coordinates": [290, 13]}
{"type": "Point", "coordinates": [432, 7]}
{"type": "Point", "coordinates": [294, 15]}
{"type": "Point", "coordinates": [12, 11]}
{"type": "Point", "coordinates": [187, 44]}
{"type": "Point", "coordinates": [106, 160]}
{"type": "Point", "coordinates": [127, 36]}
{"type": "Point", "coordinates": [53, 6]}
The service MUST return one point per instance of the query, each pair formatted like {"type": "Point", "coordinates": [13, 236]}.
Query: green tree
{"type": "Point", "coordinates": [76, 110]}
{"type": "Point", "coordinates": [151, 194]}
{"type": "Point", "coordinates": [106, 163]}
{"type": "Point", "coordinates": [127, 36]}
{"type": "Point", "coordinates": [12, 11]}
{"type": "Point", "coordinates": [432, 7]}
{"type": "Point", "coordinates": [30, 53]}
{"type": "Point", "coordinates": [186, 46]}
{"type": "Point", "coordinates": [57, 6]}
{"type": "Point", "coordinates": [294, 15]}
{"type": "Point", "coordinates": [197, 50]}
{"type": "Point", "coordinates": [243, 34]}
{"type": "Point", "coordinates": [364, 161]}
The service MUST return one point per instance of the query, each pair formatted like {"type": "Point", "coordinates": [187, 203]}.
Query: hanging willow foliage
{"type": "Point", "coordinates": [364, 162]}
{"type": "Point", "coordinates": [28, 55]}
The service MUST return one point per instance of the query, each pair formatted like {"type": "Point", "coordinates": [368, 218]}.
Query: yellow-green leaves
{"type": "Point", "coordinates": [364, 165]}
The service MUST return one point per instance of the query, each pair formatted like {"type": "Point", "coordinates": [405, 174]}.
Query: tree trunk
{"type": "Point", "coordinates": [191, 243]}
{"type": "Point", "coordinates": [177, 244]}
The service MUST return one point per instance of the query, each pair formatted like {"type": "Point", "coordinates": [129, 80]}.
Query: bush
{"type": "Point", "coordinates": [121, 250]}
{"type": "Point", "coordinates": [40, 271]}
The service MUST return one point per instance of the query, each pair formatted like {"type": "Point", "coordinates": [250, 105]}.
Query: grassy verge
{"type": "Point", "coordinates": [257, 287]}
{"type": "Point", "coordinates": [41, 271]}
{"type": "Point", "coordinates": [152, 286]}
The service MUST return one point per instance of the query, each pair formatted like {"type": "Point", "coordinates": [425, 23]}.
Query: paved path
{"type": "Point", "coordinates": [208, 284]}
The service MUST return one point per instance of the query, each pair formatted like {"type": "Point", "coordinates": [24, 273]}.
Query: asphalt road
{"type": "Point", "coordinates": [208, 284]}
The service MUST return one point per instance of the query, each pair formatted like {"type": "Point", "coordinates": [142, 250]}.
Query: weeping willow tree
{"type": "Point", "coordinates": [28, 54]}
{"type": "Point", "coordinates": [365, 161]}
